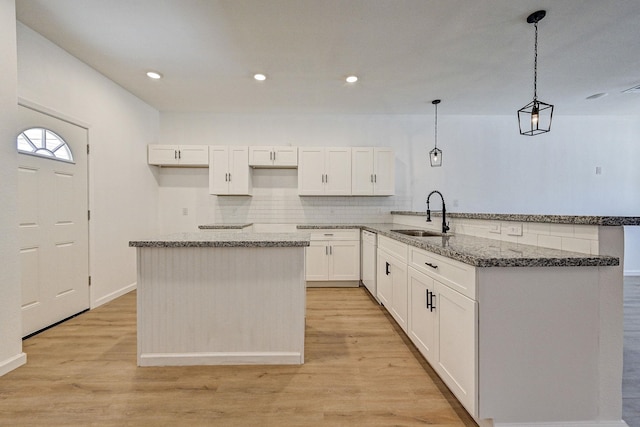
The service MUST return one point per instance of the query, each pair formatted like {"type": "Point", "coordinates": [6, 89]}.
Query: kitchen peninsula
{"type": "Point", "coordinates": [221, 298]}
{"type": "Point", "coordinates": [520, 315]}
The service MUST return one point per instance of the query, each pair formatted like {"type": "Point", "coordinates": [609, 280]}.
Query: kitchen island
{"type": "Point", "coordinates": [221, 298]}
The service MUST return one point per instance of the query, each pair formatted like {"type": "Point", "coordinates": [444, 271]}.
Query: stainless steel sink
{"type": "Point", "coordinates": [420, 233]}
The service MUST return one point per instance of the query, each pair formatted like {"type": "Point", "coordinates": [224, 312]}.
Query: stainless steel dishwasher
{"type": "Point", "coordinates": [368, 261]}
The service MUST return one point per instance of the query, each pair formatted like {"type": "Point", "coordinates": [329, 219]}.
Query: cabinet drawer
{"type": "Point", "coordinates": [457, 275]}
{"type": "Point", "coordinates": [394, 247]}
{"type": "Point", "coordinates": [331, 234]}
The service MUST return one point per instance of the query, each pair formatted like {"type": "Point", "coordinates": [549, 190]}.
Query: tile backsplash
{"type": "Point", "coordinates": [291, 208]}
{"type": "Point", "coordinates": [568, 237]}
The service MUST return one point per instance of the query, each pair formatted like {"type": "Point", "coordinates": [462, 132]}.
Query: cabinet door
{"type": "Point", "coordinates": [193, 155]}
{"type": "Point", "coordinates": [239, 174]}
{"type": "Point", "coordinates": [260, 156]}
{"type": "Point", "coordinates": [344, 260]}
{"type": "Point", "coordinates": [218, 169]}
{"type": "Point", "coordinates": [285, 156]}
{"type": "Point", "coordinates": [311, 171]}
{"type": "Point", "coordinates": [457, 346]}
{"type": "Point", "coordinates": [384, 288]}
{"type": "Point", "coordinates": [317, 260]}
{"type": "Point", "coordinates": [362, 171]}
{"type": "Point", "coordinates": [338, 171]}
{"type": "Point", "coordinates": [422, 314]}
{"type": "Point", "coordinates": [162, 154]}
{"type": "Point", "coordinates": [399, 292]}
{"type": "Point", "coordinates": [384, 172]}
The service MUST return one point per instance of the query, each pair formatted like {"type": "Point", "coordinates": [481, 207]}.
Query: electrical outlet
{"type": "Point", "coordinates": [598, 170]}
{"type": "Point", "coordinates": [185, 211]}
{"type": "Point", "coordinates": [494, 228]}
{"type": "Point", "coordinates": [514, 230]}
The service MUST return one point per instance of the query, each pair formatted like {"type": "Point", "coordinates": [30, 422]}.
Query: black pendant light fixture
{"type": "Point", "coordinates": [535, 117]}
{"type": "Point", "coordinates": [435, 155]}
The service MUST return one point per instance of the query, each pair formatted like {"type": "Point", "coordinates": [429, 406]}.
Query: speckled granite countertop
{"type": "Point", "coordinates": [224, 226]}
{"type": "Point", "coordinates": [482, 252]}
{"type": "Point", "coordinates": [224, 239]}
{"type": "Point", "coordinates": [556, 219]}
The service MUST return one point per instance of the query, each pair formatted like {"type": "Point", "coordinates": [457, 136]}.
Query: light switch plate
{"type": "Point", "coordinates": [494, 227]}
{"type": "Point", "coordinates": [514, 230]}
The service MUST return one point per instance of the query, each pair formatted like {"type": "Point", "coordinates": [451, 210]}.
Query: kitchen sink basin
{"type": "Point", "coordinates": [421, 233]}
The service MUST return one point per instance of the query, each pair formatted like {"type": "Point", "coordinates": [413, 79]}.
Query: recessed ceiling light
{"type": "Point", "coordinates": [260, 77]}
{"type": "Point", "coordinates": [352, 79]}
{"type": "Point", "coordinates": [597, 95]}
{"type": "Point", "coordinates": [154, 75]}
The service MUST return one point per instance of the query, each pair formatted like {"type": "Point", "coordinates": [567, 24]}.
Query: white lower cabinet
{"type": "Point", "coordinates": [443, 325]}
{"type": "Point", "coordinates": [392, 279]}
{"type": "Point", "coordinates": [432, 298]}
{"type": "Point", "coordinates": [333, 258]}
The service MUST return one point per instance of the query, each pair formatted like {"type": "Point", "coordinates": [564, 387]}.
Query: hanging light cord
{"type": "Point", "coordinates": [436, 142]}
{"type": "Point", "coordinates": [535, 64]}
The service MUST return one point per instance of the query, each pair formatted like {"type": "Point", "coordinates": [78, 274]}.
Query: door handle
{"type": "Point", "coordinates": [387, 268]}
{"type": "Point", "coordinates": [431, 302]}
{"type": "Point", "coordinates": [175, 154]}
{"type": "Point", "coordinates": [427, 298]}
{"type": "Point", "coordinates": [179, 154]}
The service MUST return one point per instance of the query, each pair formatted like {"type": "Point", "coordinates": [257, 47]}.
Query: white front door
{"type": "Point", "coordinates": [53, 224]}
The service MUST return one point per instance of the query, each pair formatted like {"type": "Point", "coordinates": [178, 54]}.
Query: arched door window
{"type": "Point", "coordinates": [45, 143]}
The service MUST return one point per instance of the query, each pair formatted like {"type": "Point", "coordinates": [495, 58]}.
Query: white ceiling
{"type": "Point", "coordinates": [476, 55]}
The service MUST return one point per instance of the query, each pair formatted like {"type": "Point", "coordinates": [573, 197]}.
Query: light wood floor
{"type": "Point", "coordinates": [360, 370]}
{"type": "Point", "coordinates": [631, 373]}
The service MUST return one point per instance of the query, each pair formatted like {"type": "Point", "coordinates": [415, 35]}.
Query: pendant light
{"type": "Point", "coordinates": [535, 117]}
{"type": "Point", "coordinates": [435, 155]}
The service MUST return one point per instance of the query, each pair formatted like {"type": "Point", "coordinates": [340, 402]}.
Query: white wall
{"type": "Point", "coordinates": [123, 193]}
{"type": "Point", "coordinates": [488, 167]}
{"type": "Point", "coordinates": [11, 355]}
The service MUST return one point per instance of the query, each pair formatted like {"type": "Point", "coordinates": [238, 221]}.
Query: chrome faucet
{"type": "Point", "coordinates": [445, 226]}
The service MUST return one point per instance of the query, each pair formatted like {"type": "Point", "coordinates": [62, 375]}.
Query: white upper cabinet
{"type": "Point", "coordinates": [273, 157]}
{"type": "Point", "coordinates": [324, 171]}
{"type": "Point", "coordinates": [229, 170]}
{"type": "Point", "coordinates": [178, 155]}
{"type": "Point", "coordinates": [372, 171]}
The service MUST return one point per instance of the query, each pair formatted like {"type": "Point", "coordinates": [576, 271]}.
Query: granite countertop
{"type": "Point", "coordinates": [224, 226]}
{"type": "Point", "coordinates": [224, 239]}
{"type": "Point", "coordinates": [555, 219]}
{"type": "Point", "coordinates": [482, 252]}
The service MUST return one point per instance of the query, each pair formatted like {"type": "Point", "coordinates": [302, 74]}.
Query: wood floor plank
{"type": "Point", "coordinates": [360, 370]}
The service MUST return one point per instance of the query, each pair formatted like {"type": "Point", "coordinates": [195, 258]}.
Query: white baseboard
{"type": "Point", "coordinates": [632, 273]}
{"type": "Point", "coordinates": [113, 295]}
{"type": "Point", "coordinates": [12, 363]}
{"type": "Point", "coordinates": [594, 423]}
{"type": "Point", "coordinates": [221, 358]}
